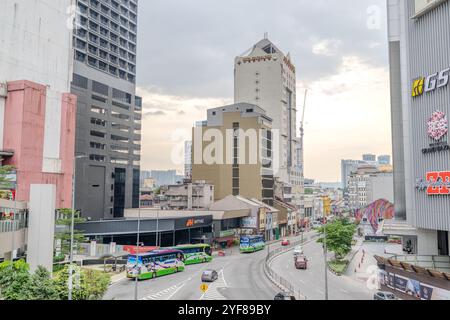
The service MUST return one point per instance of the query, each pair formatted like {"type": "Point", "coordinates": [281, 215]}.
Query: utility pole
{"type": "Point", "coordinates": [70, 282]}
{"type": "Point", "coordinates": [136, 279]}
{"type": "Point", "coordinates": [325, 256]}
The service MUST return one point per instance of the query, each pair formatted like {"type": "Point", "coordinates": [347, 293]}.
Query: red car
{"type": "Point", "coordinates": [301, 262]}
{"type": "Point", "coordinates": [285, 242]}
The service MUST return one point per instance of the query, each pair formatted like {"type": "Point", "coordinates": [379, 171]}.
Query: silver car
{"type": "Point", "coordinates": [384, 296]}
{"type": "Point", "coordinates": [210, 276]}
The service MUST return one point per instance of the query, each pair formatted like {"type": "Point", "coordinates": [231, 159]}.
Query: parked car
{"type": "Point", "coordinates": [284, 296]}
{"type": "Point", "coordinates": [384, 296]}
{"type": "Point", "coordinates": [285, 242]}
{"type": "Point", "coordinates": [316, 224]}
{"type": "Point", "coordinates": [301, 262]}
{"type": "Point", "coordinates": [298, 251]}
{"type": "Point", "coordinates": [210, 276]}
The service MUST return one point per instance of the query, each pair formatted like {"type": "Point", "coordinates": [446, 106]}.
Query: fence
{"type": "Point", "coordinates": [277, 279]}
{"type": "Point", "coordinates": [100, 249]}
{"type": "Point", "coordinates": [10, 226]}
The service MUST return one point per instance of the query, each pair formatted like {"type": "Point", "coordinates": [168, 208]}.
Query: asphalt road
{"type": "Point", "coordinates": [311, 282]}
{"type": "Point", "coordinates": [241, 277]}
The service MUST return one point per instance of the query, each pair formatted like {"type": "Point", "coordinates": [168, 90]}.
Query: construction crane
{"type": "Point", "coordinates": [302, 123]}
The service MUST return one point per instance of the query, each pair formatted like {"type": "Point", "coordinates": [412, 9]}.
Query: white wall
{"type": "Point", "coordinates": [41, 226]}
{"type": "Point", "coordinates": [36, 46]}
{"type": "Point", "coordinates": [382, 187]}
{"type": "Point", "coordinates": [427, 242]}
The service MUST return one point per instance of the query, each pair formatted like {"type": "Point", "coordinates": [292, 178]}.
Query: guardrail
{"type": "Point", "coordinates": [277, 279]}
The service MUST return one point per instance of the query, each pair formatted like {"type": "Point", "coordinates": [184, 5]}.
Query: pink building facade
{"type": "Point", "coordinates": [24, 134]}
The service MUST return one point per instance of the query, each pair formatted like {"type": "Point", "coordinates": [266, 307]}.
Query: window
{"type": "Point", "coordinates": [79, 81]}
{"type": "Point", "coordinates": [98, 134]}
{"type": "Point", "coordinates": [100, 88]}
{"type": "Point", "coordinates": [98, 158]}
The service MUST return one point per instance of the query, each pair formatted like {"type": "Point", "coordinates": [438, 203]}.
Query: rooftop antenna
{"type": "Point", "coordinates": [266, 35]}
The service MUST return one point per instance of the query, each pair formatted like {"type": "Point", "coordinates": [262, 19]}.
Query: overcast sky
{"type": "Point", "coordinates": [186, 51]}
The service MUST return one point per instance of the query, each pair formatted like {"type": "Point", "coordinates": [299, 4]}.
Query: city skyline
{"type": "Point", "coordinates": [347, 76]}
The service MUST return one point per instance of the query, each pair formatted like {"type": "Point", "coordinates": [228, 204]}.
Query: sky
{"type": "Point", "coordinates": [186, 52]}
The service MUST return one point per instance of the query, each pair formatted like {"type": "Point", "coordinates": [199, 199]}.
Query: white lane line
{"type": "Point", "coordinates": [168, 298]}
{"type": "Point", "coordinates": [223, 277]}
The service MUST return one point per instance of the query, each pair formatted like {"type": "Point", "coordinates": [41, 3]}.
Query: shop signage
{"type": "Point", "coordinates": [437, 130]}
{"type": "Point", "coordinates": [256, 59]}
{"type": "Point", "coordinates": [227, 233]}
{"type": "Point", "coordinates": [436, 183]}
{"type": "Point", "coordinates": [249, 222]}
{"type": "Point", "coordinates": [194, 222]}
{"type": "Point", "coordinates": [430, 83]}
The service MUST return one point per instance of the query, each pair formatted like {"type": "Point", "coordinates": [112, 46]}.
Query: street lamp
{"type": "Point", "coordinates": [72, 223]}
{"type": "Point", "coordinates": [325, 256]}
{"type": "Point", "coordinates": [137, 252]}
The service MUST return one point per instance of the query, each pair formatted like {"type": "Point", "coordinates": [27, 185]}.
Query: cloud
{"type": "Point", "coordinates": [154, 113]}
{"type": "Point", "coordinates": [328, 48]}
{"type": "Point", "coordinates": [186, 60]}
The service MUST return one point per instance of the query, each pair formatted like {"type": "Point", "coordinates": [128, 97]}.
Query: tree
{"type": "Point", "coordinates": [88, 284]}
{"type": "Point", "coordinates": [15, 280]}
{"type": "Point", "coordinates": [339, 236]}
{"type": "Point", "coordinates": [42, 286]}
{"type": "Point", "coordinates": [65, 222]}
{"type": "Point", "coordinates": [5, 182]}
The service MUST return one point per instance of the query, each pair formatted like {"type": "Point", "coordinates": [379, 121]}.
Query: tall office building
{"type": "Point", "coordinates": [188, 159]}
{"type": "Point", "coordinates": [266, 77]}
{"type": "Point", "coordinates": [242, 163]}
{"type": "Point", "coordinates": [384, 160]}
{"type": "Point", "coordinates": [420, 100]}
{"type": "Point", "coordinates": [347, 167]}
{"type": "Point", "coordinates": [369, 157]}
{"type": "Point", "coordinates": [109, 113]}
{"type": "Point", "coordinates": [37, 120]}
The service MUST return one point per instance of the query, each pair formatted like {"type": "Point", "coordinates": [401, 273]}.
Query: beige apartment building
{"type": "Point", "coordinates": [233, 151]}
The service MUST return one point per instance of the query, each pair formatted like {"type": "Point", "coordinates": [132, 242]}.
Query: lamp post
{"type": "Point", "coordinates": [136, 279]}
{"type": "Point", "coordinates": [325, 256]}
{"type": "Point", "coordinates": [72, 223]}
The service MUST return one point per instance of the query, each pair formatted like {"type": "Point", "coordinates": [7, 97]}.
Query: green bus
{"type": "Point", "coordinates": [195, 253]}
{"type": "Point", "coordinates": [250, 244]}
{"type": "Point", "coordinates": [154, 264]}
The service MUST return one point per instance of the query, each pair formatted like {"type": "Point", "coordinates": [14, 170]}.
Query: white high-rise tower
{"type": "Point", "coordinates": [265, 76]}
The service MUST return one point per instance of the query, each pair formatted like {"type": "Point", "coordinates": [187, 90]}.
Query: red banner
{"type": "Point", "coordinates": [132, 249]}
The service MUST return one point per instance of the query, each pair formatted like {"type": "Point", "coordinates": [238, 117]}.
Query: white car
{"type": "Point", "coordinates": [298, 251]}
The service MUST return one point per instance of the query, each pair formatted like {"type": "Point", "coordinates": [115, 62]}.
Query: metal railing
{"type": "Point", "coordinates": [277, 279]}
{"type": "Point", "coordinates": [12, 226]}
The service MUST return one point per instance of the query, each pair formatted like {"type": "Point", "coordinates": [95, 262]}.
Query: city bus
{"type": "Point", "coordinates": [251, 243]}
{"type": "Point", "coordinates": [195, 253]}
{"type": "Point", "coordinates": [154, 264]}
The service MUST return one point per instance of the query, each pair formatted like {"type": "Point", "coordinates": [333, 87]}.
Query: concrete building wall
{"type": "Point", "coordinates": [41, 226]}
{"type": "Point", "coordinates": [381, 187]}
{"type": "Point", "coordinates": [25, 115]}
{"type": "Point", "coordinates": [221, 175]}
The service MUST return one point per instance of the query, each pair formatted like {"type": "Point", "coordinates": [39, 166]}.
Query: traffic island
{"type": "Point", "coordinates": [338, 267]}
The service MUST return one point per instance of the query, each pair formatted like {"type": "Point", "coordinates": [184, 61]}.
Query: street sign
{"type": "Point", "coordinates": [204, 288]}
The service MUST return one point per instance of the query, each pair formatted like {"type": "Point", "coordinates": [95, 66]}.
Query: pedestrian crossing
{"type": "Point", "coordinates": [164, 294]}
{"type": "Point", "coordinates": [213, 290]}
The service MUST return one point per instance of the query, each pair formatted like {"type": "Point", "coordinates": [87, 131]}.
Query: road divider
{"type": "Point", "coordinates": [277, 279]}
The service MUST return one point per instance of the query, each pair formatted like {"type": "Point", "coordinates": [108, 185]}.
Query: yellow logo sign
{"type": "Point", "coordinates": [204, 288]}
{"type": "Point", "coordinates": [418, 87]}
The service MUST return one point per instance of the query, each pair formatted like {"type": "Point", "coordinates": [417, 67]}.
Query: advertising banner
{"type": "Point", "coordinates": [412, 287]}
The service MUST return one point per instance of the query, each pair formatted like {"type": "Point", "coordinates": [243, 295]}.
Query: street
{"type": "Point", "coordinates": [311, 282]}
{"type": "Point", "coordinates": [241, 277]}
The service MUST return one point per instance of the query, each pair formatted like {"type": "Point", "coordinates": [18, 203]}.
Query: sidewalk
{"type": "Point", "coordinates": [118, 277]}
{"type": "Point", "coordinates": [359, 263]}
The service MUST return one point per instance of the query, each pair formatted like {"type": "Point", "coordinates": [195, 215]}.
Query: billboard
{"type": "Point", "coordinates": [412, 287]}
